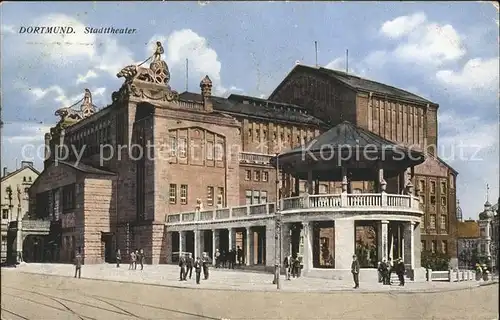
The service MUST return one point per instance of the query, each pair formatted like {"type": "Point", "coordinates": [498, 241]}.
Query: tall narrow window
{"type": "Point", "coordinates": [434, 246]}
{"type": "Point", "coordinates": [444, 246]}
{"type": "Point", "coordinates": [433, 187]}
{"type": "Point", "coordinates": [182, 148]}
{"type": "Point", "coordinates": [263, 197]}
{"type": "Point", "coordinates": [248, 196]}
{"type": "Point", "coordinates": [173, 146]}
{"type": "Point", "coordinates": [210, 196]}
{"type": "Point", "coordinates": [219, 151]}
{"type": "Point", "coordinates": [443, 222]}
{"type": "Point", "coordinates": [433, 222]}
{"type": "Point", "coordinates": [220, 196]}
{"type": "Point", "coordinates": [265, 176]}
{"type": "Point", "coordinates": [248, 175]}
{"type": "Point", "coordinates": [443, 188]}
{"type": "Point", "coordinates": [173, 193]}
{"type": "Point", "coordinates": [184, 194]}
{"type": "Point", "coordinates": [256, 175]}
{"type": "Point", "coordinates": [256, 197]}
{"type": "Point", "coordinates": [210, 150]}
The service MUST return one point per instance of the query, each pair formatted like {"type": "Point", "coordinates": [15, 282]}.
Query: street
{"type": "Point", "coordinates": [38, 297]}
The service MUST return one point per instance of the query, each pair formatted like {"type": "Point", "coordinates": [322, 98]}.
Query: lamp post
{"type": "Point", "coordinates": [277, 229]}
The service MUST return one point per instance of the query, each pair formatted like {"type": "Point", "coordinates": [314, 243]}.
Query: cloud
{"type": "Point", "coordinates": [7, 29]}
{"type": "Point", "coordinates": [339, 64]}
{"type": "Point", "coordinates": [113, 57]}
{"type": "Point", "coordinates": [423, 42]}
{"type": "Point", "coordinates": [25, 132]}
{"type": "Point", "coordinates": [39, 93]}
{"type": "Point", "coordinates": [478, 76]}
{"type": "Point", "coordinates": [84, 78]}
{"type": "Point", "coordinates": [403, 25]}
{"type": "Point", "coordinates": [60, 96]}
{"type": "Point", "coordinates": [202, 59]}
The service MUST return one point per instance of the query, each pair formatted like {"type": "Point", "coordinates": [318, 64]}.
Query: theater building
{"type": "Point", "coordinates": [206, 166]}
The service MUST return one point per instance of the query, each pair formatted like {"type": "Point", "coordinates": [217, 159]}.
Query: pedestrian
{"type": "Point", "coordinates": [182, 265]}
{"type": "Point", "coordinates": [380, 272]}
{"type": "Point", "coordinates": [400, 270]}
{"type": "Point", "coordinates": [140, 258]}
{"type": "Point", "coordinates": [217, 258]}
{"type": "Point", "coordinates": [390, 269]}
{"type": "Point", "coordinates": [239, 251]}
{"type": "Point", "coordinates": [385, 272]}
{"type": "Point", "coordinates": [230, 259]}
{"type": "Point", "coordinates": [189, 264]}
{"type": "Point", "coordinates": [355, 271]}
{"type": "Point", "coordinates": [133, 258]}
{"type": "Point", "coordinates": [78, 263]}
{"type": "Point", "coordinates": [118, 258]}
{"type": "Point", "coordinates": [296, 267]}
{"type": "Point", "coordinates": [286, 265]}
{"type": "Point", "coordinates": [205, 261]}
{"type": "Point", "coordinates": [223, 258]}
{"type": "Point", "coordinates": [197, 269]}
{"type": "Point", "coordinates": [136, 259]}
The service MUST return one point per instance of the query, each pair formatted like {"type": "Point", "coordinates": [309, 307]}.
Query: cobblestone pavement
{"type": "Point", "coordinates": [39, 297]}
{"type": "Point", "coordinates": [223, 279]}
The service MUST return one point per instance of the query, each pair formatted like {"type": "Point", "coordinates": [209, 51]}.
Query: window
{"type": "Point", "coordinates": [183, 148]}
{"type": "Point", "coordinates": [248, 175]}
{"type": "Point", "coordinates": [5, 213]}
{"type": "Point", "coordinates": [444, 246]}
{"type": "Point", "coordinates": [255, 197]}
{"type": "Point", "coordinates": [443, 187]}
{"type": "Point", "coordinates": [256, 175]}
{"type": "Point", "coordinates": [184, 194]}
{"type": "Point", "coordinates": [173, 146]}
{"type": "Point", "coordinates": [248, 197]}
{"type": "Point", "coordinates": [173, 193]}
{"type": "Point", "coordinates": [24, 179]}
{"type": "Point", "coordinates": [433, 246]}
{"type": "Point", "coordinates": [29, 179]}
{"type": "Point", "coordinates": [433, 200]}
{"type": "Point", "coordinates": [452, 180]}
{"type": "Point", "coordinates": [210, 150]}
{"type": "Point", "coordinates": [443, 222]}
{"type": "Point", "coordinates": [421, 185]}
{"type": "Point", "coordinates": [219, 151]}
{"type": "Point", "coordinates": [265, 176]}
{"type": "Point", "coordinates": [69, 197]}
{"type": "Point", "coordinates": [210, 196]}
{"type": "Point", "coordinates": [443, 201]}
{"type": "Point", "coordinates": [433, 222]}
{"type": "Point", "coordinates": [263, 197]}
{"type": "Point", "coordinates": [422, 245]}
{"type": "Point", "coordinates": [433, 186]}
{"type": "Point", "coordinates": [220, 196]}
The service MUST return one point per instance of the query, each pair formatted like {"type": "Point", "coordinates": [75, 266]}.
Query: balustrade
{"type": "Point", "coordinates": [321, 201]}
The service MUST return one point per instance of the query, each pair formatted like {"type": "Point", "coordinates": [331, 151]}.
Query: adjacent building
{"type": "Point", "coordinates": [468, 240]}
{"type": "Point", "coordinates": [128, 175]}
{"type": "Point", "coordinates": [15, 200]}
{"type": "Point", "coordinates": [488, 231]}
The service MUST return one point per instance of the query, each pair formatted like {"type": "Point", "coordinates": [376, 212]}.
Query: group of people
{"type": "Point", "coordinates": [386, 268]}
{"type": "Point", "coordinates": [292, 266]}
{"type": "Point", "coordinates": [136, 257]}
{"type": "Point", "coordinates": [187, 264]}
{"type": "Point", "coordinates": [228, 259]}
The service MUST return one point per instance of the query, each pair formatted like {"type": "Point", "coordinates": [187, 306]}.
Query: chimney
{"type": "Point", "coordinates": [5, 171]}
{"type": "Point", "coordinates": [206, 92]}
{"type": "Point", "coordinates": [25, 164]}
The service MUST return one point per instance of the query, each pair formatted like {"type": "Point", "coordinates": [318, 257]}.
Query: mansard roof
{"type": "Point", "coordinates": [358, 83]}
{"type": "Point", "coordinates": [252, 107]}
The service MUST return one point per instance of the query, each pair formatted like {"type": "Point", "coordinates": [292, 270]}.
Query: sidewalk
{"type": "Point", "coordinates": [168, 275]}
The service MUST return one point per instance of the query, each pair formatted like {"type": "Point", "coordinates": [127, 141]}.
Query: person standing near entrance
{"type": "Point", "coordinates": [140, 258]}
{"type": "Point", "coordinates": [133, 258]}
{"type": "Point", "coordinates": [355, 271]}
{"type": "Point", "coordinates": [204, 262]}
{"type": "Point", "coordinates": [400, 271]}
{"type": "Point", "coordinates": [217, 258]}
{"type": "Point", "coordinates": [197, 269]}
{"type": "Point", "coordinates": [239, 252]}
{"type": "Point", "coordinates": [189, 265]}
{"type": "Point", "coordinates": [118, 258]}
{"type": "Point", "coordinates": [182, 265]}
{"type": "Point", "coordinates": [78, 263]}
{"type": "Point", "coordinates": [287, 266]}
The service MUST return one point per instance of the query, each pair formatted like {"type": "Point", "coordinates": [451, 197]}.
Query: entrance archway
{"type": "Point", "coordinates": [34, 248]}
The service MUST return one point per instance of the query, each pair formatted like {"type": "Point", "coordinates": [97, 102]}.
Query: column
{"type": "Point", "coordinates": [248, 246]}
{"type": "Point", "coordinates": [416, 245]}
{"type": "Point", "coordinates": [297, 187]}
{"type": "Point", "coordinates": [215, 242]}
{"type": "Point", "coordinates": [344, 243]}
{"type": "Point", "coordinates": [307, 259]}
{"type": "Point", "coordinates": [182, 239]}
{"type": "Point", "coordinates": [309, 182]}
{"type": "Point", "coordinates": [383, 241]}
{"type": "Point", "coordinates": [409, 245]}
{"type": "Point", "coordinates": [229, 239]}
{"type": "Point", "coordinates": [285, 240]}
{"type": "Point", "coordinates": [197, 244]}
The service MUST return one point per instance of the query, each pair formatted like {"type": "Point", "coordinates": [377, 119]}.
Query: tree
{"type": "Point", "coordinates": [435, 260]}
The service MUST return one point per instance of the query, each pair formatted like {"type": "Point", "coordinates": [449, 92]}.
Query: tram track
{"type": "Point", "coordinates": [13, 313]}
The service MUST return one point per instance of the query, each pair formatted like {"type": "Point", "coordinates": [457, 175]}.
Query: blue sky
{"type": "Point", "coordinates": [447, 52]}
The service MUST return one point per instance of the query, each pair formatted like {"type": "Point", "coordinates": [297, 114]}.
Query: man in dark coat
{"type": "Point", "coordinates": [182, 265]}
{"type": "Point", "coordinates": [140, 258]}
{"type": "Point", "coordinates": [400, 271]}
{"type": "Point", "coordinates": [118, 258]}
{"type": "Point", "coordinates": [355, 271]}
{"type": "Point", "coordinates": [204, 263]}
{"type": "Point", "coordinates": [78, 263]}
{"type": "Point", "coordinates": [189, 265]}
{"type": "Point", "coordinates": [287, 266]}
{"type": "Point", "coordinates": [239, 251]}
{"type": "Point", "coordinates": [385, 272]}
{"type": "Point", "coordinates": [197, 269]}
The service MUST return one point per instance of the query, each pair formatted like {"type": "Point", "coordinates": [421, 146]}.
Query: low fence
{"type": "Point", "coordinates": [456, 275]}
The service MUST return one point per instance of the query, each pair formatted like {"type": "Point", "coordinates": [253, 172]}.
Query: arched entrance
{"type": "Point", "coordinates": [34, 248]}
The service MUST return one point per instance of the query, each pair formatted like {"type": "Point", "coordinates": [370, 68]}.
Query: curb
{"type": "Point", "coordinates": [390, 291]}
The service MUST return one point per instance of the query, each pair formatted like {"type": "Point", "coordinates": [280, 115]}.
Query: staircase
{"type": "Point", "coordinates": [395, 279]}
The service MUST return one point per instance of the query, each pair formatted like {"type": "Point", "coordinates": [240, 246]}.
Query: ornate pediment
{"type": "Point", "coordinates": [147, 83]}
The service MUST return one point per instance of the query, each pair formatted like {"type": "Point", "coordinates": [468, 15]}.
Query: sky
{"type": "Point", "coordinates": [444, 51]}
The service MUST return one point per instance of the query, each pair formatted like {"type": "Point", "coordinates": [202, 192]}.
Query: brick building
{"type": "Point", "coordinates": [211, 152]}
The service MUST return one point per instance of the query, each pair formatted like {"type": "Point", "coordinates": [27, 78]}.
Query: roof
{"type": "Point", "coordinates": [468, 229]}
{"type": "Point", "coordinates": [359, 84]}
{"type": "Point", "coordinates": [257, 108]}
{"type": "Point", "coordinates": [85, 168]}
{"type": "Point", "coordinates": [347, 144]}
{"type": "Point", "coordinates": [13, 173]}
{"type": "Point", "coordinates": [447, 165]}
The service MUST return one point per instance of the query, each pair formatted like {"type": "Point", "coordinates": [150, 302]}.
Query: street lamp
{"type": "Point", "coordinates": [277, 230]}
